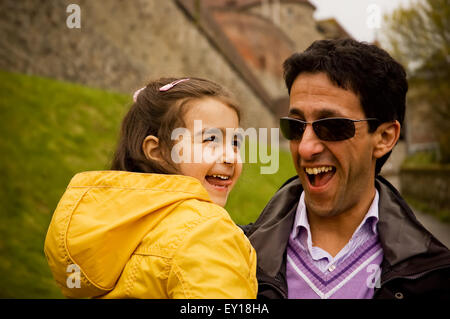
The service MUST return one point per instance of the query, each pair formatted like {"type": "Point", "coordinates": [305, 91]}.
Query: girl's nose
{"type": "Point", "coordinates": [230, 154]}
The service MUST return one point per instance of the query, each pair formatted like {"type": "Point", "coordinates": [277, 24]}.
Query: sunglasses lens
{"type": "Point", "coordinates": [291, 129]}
{"type": "Point", "coordinates": [334, 129]}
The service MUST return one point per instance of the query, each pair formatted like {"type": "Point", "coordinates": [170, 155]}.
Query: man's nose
{"type": "Point", "coordinates": [310, 145]}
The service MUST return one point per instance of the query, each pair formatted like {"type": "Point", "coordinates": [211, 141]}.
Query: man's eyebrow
{"type": "Point", "coordinates": [296, 112]}
{"type": "Point", "coordinates": [319, 114]}
{"type": "Point", "coordinates": [324, 113]}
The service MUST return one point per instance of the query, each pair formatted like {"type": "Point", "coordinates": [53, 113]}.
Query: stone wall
{"type": "Point", "coordinates": [266, 33]}
{"type": "Point", "coordinates": [419, 126]}
{"type": "Point", "coordinates": [295, 19]}
{"type": "Point", "coordinates": [120, 46]}
{"type": "Point", "coordinates": [262, 44]}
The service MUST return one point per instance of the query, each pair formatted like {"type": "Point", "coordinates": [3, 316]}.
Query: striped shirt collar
{"type": "Point", "coordinates": [301, 220]}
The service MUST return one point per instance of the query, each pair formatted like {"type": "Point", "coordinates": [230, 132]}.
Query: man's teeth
{"type": "Point", "coordinates": [318, 170]}
{"type": "Point", "coordinates": [224, 177]}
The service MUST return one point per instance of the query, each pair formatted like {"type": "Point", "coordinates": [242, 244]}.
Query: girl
{"type": "Point", "coordinates": [153, 226]}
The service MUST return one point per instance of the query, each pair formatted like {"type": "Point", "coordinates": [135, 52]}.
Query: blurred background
{"type": "Point", "coordinates": [67, 74]}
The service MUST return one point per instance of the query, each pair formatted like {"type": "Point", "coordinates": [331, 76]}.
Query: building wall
{"type": "Point", "coordinates": [256, 37]}
{"type": "Point", "coordinates": [419, 126]}
{"type": "Point", "coordinates": [282, 28]}
{"type": "Point", "coordinates": [120, 46]}
{"type": "Point", "coordinates": [429, 185]}
{"type": "Point", "coordinates": [295, 19]}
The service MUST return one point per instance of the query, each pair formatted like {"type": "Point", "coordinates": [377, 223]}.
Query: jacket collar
{"type": "Point", "coordinates": [401, 235]}
{"type": "Point", "coordinates": [270, 233]}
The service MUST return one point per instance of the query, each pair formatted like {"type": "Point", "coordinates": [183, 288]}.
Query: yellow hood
{"type": "Point", "coordinates": [101, 219]}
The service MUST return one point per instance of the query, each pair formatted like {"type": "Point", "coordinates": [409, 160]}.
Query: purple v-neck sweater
{"type": "Point", "coordinates": [352, 273]}
{"type": "Point", "coordinates": [353, 278]}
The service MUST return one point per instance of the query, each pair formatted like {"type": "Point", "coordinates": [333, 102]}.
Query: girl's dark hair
{"type": "Point", "coordinates": [158, 113]}
{"type": "Point", "coordinates": [365, 69]}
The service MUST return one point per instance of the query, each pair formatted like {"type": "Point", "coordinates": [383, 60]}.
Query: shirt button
{"type": "Point", "coordinates": [331, 268]}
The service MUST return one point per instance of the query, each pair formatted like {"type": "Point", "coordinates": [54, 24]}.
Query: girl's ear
{"type": "Point", "coordinates": [386, 136]}
{"type": "Point", "coordinates": [151, 148]}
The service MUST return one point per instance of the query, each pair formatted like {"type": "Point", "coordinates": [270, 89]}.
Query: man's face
{"type": "Point", "coordinates": [347, 166]}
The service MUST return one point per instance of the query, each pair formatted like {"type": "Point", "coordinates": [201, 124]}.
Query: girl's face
{"type": "Point", "coordinates": [213, 148]}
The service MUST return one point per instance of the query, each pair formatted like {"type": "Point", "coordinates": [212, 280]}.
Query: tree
{"type": "Point", "coordinates": [419, 38]}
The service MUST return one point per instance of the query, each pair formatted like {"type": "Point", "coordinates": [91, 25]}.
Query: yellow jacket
{"type": "Point", "coordinates": [118, 234]}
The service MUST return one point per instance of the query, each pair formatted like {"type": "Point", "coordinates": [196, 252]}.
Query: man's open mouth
{"type": "Point", "coordinates": [219, 180]}
{"type": "Point", "coordinates": [320, 176]}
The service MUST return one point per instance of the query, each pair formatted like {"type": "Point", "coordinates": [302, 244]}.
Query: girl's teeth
{"type": "Point", "coordinates": [221, 176]}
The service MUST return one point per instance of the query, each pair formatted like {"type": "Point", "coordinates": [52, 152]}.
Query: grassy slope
{"type": "Point", "coordinates": [49, 131]}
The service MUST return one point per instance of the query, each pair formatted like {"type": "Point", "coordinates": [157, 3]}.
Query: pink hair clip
{"type": "Point", "coordinates": [171, 85]}
{"type": "Point", "coordinates": [135, 95]}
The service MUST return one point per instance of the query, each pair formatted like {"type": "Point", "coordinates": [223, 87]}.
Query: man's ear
{"type": "Point", "coordinates": [151, 148]}
{"type": "Point", "coordinates": [386, 136]}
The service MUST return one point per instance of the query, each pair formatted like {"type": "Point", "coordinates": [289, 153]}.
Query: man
{"type": "Point", "coordinates": [338, 230]}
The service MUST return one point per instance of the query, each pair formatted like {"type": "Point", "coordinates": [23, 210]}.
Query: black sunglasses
{"type": "Point", "coordinates": [327, 129]}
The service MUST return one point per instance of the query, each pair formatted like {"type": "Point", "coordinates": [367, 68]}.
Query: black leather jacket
{"type": "Point", "coordinates": [415, 263]}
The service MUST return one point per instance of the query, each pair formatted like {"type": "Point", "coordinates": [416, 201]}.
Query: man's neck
{"type": "Point", "coordinates": [333, 233]}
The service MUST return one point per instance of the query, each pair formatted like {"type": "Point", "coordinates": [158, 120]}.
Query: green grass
{"type": "Point", "coordinates": [424, 159]}
{"type": "Point", "coordinates": [51, 130]}
{"type": "Point", "coordinates": [254, 190]}
{"type": "Point", "coordinates": [427, 162]}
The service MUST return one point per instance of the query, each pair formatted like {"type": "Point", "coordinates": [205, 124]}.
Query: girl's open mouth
{"type": "Point", "coordinates": [320, 176]}
{"type": "Point", "coordinates": [220, 182]}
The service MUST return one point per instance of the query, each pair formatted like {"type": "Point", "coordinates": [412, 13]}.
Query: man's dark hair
{"type": "Point", "coordinates": [365, 69]}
